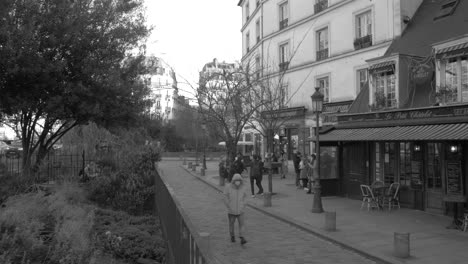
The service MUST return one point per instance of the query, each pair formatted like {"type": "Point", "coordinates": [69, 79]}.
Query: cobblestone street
{"type": "Point", "coordinates": [269, 240]}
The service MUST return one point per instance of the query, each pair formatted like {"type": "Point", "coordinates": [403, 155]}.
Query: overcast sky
{"type": "Point", "coordinates": [189, 33]}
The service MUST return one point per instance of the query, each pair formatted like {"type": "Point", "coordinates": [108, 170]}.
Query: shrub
{"type": "Point", "coordinates": [128, 189]}
{"type": "Point", "coordinates": [129, 237]}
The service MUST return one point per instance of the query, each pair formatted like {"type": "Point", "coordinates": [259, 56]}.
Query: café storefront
{"type": "Point", "coordinates": [423, 149]}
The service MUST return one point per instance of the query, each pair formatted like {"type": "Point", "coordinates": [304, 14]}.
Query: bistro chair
{"type": "Point", "coordinates": [368, 198]}
{"type": "Point", "coordinates": [465, 221]}
{"type": "Point", "coordinates": [391, 197]}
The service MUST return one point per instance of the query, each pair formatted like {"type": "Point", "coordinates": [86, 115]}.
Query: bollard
{"type": "Point", "coordinates": [184, 162]}
{"type": "Point", "coordinates": [221, 181]}
{"type": "Point", "coordinates": [267, 199]}
{"type": "Point", "coordinates": [205, 240]}
{"type": "Point", "coordinates": [401, 245]}
{"type": "Point", "coordinates": [194, 167]}
{"type": "Point", "coordinates": [190, 165]}
{"type": "Point", "coordinates": [330, 221]}
{"type": "Point", "coordinates": [202, 172]}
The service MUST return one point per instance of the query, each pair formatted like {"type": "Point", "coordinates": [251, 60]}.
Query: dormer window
{"type": "Point", "coordinates": [447, 9]}
{"type": "Point", "coordinates": [383, 92]}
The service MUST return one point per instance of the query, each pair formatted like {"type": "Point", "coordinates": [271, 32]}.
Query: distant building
{"type": "Point", "coordinates": [164, 91]}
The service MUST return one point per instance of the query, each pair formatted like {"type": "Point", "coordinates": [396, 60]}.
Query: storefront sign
{"type": "Point", "coordinates": [452, 111]}
{"type": "Point", "coordinates": [422, 73]}
{"type": "Point", "coordinates": [454, 183]}
{"type": "Point", "coordinates": [284, 113]}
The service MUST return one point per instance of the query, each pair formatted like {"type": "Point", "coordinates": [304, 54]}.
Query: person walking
{"type": "Point", "coordinates": [296, 161]}
{"type": "Point", "coordinates": [256, 174]}
{"type": "Point", "coordinates": [304, 168]}
{"type": "Point", "coordinates": [237, 166]}
{"type": "Point", "coordinates": [284, 164]}
{"type": "Point", "coordinates": [235, 198]}
{"type": "Point", "coordinates": [312, 163]}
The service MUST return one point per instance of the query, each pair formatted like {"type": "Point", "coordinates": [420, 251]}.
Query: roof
{"type": "Point", "coordinates": [423, 31]}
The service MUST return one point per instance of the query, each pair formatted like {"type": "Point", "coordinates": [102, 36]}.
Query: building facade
{"type": "Point", "coordinates": [325, 43]}
{"type": "Point", "coordinates": [164, 91]}
{"type": "Point", "coordinates": [410, 125]}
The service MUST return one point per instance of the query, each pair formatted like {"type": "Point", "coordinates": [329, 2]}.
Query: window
{"type": "Point", "coordinates": [454, 79]}
{"type": "Point", "coordinates": [389, 161]}
{"type": "Point", "coordinates": [385, 90]}
{"type": "Point", "coordinates": [283, 15]}
{"type": "Point", "coordinates": [410, 165]}
{"type": "Point", "coordinates": [324, 85]}
{"type": "Point", "coordinates": [249, 137]}
{"type": "Point", "coordinates": [434, 172]}
{"type": "Point", "coordinates": [257, 30]}
{"type": "Point", "coordinates": [284, 56]}
{"type": "Point", "coordinates": [378, 171]}
{"type": "Point", "coordinates": [363, 24]}
{"type": "Point", "coordinates": [247, 11]}
{"type": "Point", "coordinates": [283, 96]}
{"type": "Point", "coordinates": [247, 41]}
{"type": "Point", "coordinates": [363, 30]}
{"type": "Point", "coordinates": [258, 67]}
{"type": "Point", "coordinates": [322, 44]}
{"type": "Point", "coordinates": [447, 9]}
{"type": "Point", "coordinates": [361, 80]}
{"type": "Point", "coordinates": [320, 5]}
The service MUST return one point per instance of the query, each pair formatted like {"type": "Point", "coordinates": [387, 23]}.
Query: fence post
{"type": "Point", "coordinates": [330, 221]}
{"type": "Point", "coordinates": [401, 244]}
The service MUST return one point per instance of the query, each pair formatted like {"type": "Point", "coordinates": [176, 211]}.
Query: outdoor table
{"type": "Point", "coordinates": [379, 193]}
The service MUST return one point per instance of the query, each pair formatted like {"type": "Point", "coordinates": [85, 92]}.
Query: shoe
{"type": "Point", "coordinates": [253, 196]}
{"type": "Point", "coordinates": [242, 240]}
{"type": "Point", "coordinates": [306, 189]}
{"type": "Point", "coordinates": [309, 192]}
{"type": "Point", "coordinates": [233, 239]}
{"type": "Point", "coordinates": [260, 193]}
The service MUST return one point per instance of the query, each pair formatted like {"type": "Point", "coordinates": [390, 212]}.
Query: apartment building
{"type": "Point", "coordinates": [164, 91]}
{"type": "Point", "coordinates": [322, 43]}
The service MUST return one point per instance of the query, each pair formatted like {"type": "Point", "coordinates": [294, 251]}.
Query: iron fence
{"type": "Point", "coordinates": [185, 244]}
{"type": "Point", "coordinates": [56, 165]}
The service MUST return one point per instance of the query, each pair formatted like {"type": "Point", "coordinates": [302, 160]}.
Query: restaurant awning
{"type": "Point", "coordinates": [452, 51]}
{"type": "Point", "coordinates": [399, 133]}
{"type": "Point", "coordinates": [382, 67]}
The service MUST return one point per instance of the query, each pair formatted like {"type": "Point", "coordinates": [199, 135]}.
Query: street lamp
{"type": "Point", "coordinates": [317, 106]}
{"type": "Point", "coordinates": [203, 125]}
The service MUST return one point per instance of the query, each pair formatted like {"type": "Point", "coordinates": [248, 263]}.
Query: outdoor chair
{"type": "Point", "coordinates": [465, 221]}
{"type": "Point", "coordinates": [391, 197]}
{"type": "Point", "coordinates": [368, 198]}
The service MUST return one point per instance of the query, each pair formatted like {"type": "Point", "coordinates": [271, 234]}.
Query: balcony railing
{"type": "Point", "coordinates": [363, 42]}
{"type": "Point", "coordinates": [284, 66]}
{"type": "Point", "coordinates": [322, 54]}
{"type": "Point", "coordinates": [283, 23]}
{"type": "Point", "coordinates": [320, 6]}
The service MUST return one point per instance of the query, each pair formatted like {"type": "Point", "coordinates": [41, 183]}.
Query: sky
{"type": "Point", "coordinates": [188, 34]}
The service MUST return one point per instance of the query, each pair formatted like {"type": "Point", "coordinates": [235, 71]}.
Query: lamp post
{"type": "Point", "coordinates": [203, 125]}
{"type": "Point", "coordinates": [317, 105]}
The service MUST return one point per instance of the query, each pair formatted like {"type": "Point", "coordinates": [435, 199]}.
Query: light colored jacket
{"type": "Point", "coordinates": [235, 197]}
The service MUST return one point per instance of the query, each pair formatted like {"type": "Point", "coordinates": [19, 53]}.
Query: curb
{"type": "Point", "coordinates": [314, 231]}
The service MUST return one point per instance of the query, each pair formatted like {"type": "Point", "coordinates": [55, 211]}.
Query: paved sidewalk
{"type": "Point", "coordinates": [269, 240]}
{"type": "Point", "coordinates": [369, 233]}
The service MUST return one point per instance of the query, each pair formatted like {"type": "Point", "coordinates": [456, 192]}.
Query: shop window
{"type": "Point", "coordinates": [328, 162]}
{"type": "Point", "coordinates": [434, 178]}
{"type": "Point", "coordinates": [389, 159]}
{"type": "Point", "coordinates": [410, 165]}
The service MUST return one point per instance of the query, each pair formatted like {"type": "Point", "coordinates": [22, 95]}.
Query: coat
{"type": "Point", "coordinates": [235, 197]}
{"type": "Point", "coordinates": [256, 171]}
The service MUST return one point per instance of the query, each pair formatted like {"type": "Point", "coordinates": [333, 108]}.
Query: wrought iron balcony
{"type": "Point", "coordinates": [284, 66]}
{"type": "Point", "coordinates": [320, 6]}
{"type": "Point", "coordinates": [363, 42]}
{"type": "Point", "coordinates": [322, 54]}
{"type": "Point", "coordinates": [283, 23]}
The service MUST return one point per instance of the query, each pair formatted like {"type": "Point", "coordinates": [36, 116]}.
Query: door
{"type": "Point", "coordinates": [434, 190]}
{"type": "Point", "coordinates": [354, 169]}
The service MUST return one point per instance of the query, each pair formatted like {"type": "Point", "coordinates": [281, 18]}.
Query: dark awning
{"type": "Point", "coordinates": [382, 67]}
{"type": "Point", "coordinates": [453, 51]}
{"type": "Point", "coordinates": [399, 133]}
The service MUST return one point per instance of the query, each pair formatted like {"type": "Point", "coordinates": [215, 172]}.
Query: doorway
{"type": "Point", "coordinates": [434, 183]}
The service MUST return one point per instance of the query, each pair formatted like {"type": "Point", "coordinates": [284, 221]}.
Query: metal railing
{"type": "Point", "coordinates": [283, 23]}
{"type": "Point", "coordinates": [185, 245]}
{"type": "Point", "coordinates": [322, 54]}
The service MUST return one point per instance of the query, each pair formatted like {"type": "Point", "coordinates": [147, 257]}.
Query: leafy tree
{"type": "Point", "coordinates": [68, 62]}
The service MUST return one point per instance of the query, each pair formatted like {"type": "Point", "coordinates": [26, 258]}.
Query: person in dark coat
{"type": "Point", "coordinates": [256, 173]}
{"type": "Point", "coordinates": [296, 160]}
